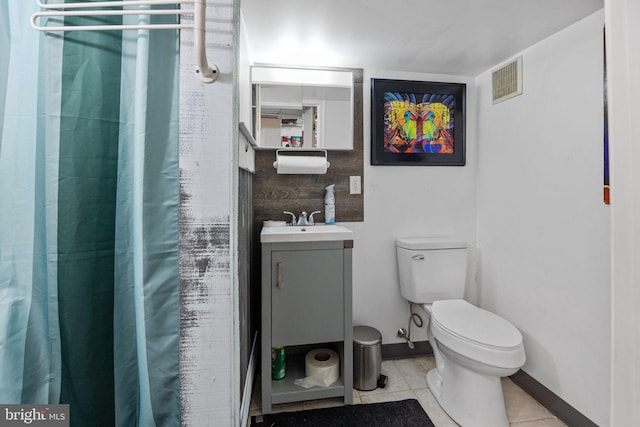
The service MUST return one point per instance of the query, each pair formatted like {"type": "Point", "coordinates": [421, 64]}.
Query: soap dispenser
{"type": "Point", "coordinates": [330, 205]}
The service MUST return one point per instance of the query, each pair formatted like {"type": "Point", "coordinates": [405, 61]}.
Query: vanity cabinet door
{"type": "Point", "coordinates": [307, 296]}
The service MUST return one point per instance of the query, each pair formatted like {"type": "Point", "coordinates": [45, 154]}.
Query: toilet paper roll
{"type": "Point", "coordinates": [321, 367]}
{"type": "Point", "coordinates": [301, 165]}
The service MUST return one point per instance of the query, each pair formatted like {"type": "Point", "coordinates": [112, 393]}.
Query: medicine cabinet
{"type": "Point", "coordinates": [302, 108]}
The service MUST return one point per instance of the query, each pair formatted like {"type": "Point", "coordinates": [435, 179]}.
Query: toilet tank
{"type": "Point", "coordinates": [431, 269]}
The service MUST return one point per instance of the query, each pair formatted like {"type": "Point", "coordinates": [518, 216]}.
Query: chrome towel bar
{"type": "Point", "coordinates": [205, 71]}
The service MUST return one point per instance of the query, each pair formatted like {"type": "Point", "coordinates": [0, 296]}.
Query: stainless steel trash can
{"type": "Point", "coordinates": [367, 357]}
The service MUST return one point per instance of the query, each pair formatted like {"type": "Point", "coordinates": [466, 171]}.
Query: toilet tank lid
{"type": "Point", "coordinates": [425, 243]}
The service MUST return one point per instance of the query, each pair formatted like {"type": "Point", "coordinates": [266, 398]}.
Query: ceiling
{"type": "Point", "coordinates": [459, 37]}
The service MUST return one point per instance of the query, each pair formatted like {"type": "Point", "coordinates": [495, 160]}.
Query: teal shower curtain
{"type": "Point", "coordinates": [89, 291]}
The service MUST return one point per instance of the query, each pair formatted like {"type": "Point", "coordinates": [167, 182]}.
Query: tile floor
{"type": "Point", "coordinates": [406, 380]}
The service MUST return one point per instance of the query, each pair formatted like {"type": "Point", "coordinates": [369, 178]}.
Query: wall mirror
{"type": "Point", "coordinates": [302, 108]}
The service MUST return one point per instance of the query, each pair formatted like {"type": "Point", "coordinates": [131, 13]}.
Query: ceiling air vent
{"type": "Point", "coordinates": [507, 81]}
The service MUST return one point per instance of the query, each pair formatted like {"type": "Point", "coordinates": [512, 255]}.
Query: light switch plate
{"type": "Point", "coordinates": [355, 185]}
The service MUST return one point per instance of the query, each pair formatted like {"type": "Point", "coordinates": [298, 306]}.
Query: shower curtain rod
{"type": "Point", "coordinates": [206, 72]}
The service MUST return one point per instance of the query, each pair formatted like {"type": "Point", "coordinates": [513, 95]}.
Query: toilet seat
{"type": "Point", "coordinates": [477, 334]}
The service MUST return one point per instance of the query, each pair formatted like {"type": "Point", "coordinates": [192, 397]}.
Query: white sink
{"type": "Point", "coordinates": [305, 233]}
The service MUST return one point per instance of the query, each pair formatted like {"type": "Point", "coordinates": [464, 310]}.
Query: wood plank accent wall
{"type": "Point", "coordinates": [273, 193]}
{"type": "Point", "coordinates": [245, 254]}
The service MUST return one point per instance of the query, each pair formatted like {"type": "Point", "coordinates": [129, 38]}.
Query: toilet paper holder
{"type": "Point", "coordinates": [301, 164]}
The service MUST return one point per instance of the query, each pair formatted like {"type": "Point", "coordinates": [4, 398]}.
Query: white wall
{"type": "Point", "coordinates": [623, 68]}
{"type": "Point", "coordinates": [403, 201]}
{"type": "Point", "coordinates": [543, 229]}
{"type": "Point", "coordinates": [209, 347]}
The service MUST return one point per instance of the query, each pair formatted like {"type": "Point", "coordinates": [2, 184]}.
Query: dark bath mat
{"type": "Point", "coordinates": [404, 413]}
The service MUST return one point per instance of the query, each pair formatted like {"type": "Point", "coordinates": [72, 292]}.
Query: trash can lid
{"type": "Point", "coordinates": [366, 335]}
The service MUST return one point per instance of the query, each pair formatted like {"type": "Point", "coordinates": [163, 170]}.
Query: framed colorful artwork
{"type": "Point", "coordinates": [417, 123]}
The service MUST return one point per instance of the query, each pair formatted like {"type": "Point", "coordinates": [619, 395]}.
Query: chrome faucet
{"type": "Point", "coordinates": [303, 219]}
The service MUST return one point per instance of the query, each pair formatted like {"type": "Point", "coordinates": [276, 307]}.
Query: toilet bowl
{"type": "Point", "coordinates": [474, 349]}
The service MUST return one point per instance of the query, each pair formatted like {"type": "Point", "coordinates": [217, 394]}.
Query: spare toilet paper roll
{"type": "Point", "coordinates": [301, 165]}
{"type": "Point", "coordinates": [321, 367]}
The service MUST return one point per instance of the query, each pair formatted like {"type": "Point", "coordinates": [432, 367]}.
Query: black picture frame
{"type": "Point", "coordinates": [416, 123]}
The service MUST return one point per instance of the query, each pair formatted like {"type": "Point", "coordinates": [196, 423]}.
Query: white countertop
{"type": "Point", "coordinates": [305, 233]}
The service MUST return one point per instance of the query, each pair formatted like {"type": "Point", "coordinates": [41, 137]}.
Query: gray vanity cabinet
{"type": "Point", "coordinates": [306, 304]}
{"type": "Point", "coordinates": [307, 301]}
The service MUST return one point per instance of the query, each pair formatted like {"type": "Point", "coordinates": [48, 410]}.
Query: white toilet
{"type": "Point", "coordinates": [473, 348]}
